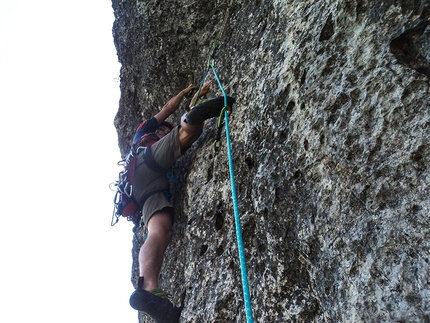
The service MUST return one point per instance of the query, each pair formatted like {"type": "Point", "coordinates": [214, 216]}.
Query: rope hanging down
{"type": "Point", "coordinates": [241, 250]}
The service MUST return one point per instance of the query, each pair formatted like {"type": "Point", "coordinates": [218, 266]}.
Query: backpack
{"type": "Point", "coordinates": [125, 205]}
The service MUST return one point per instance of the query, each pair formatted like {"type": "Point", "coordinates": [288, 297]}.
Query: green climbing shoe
{"type": "Point", "coordinates": [161, 310]}
{"type": "Point", "coordinates": [159, 293]}
{"type": "Point", "coordinates": [208, 109]}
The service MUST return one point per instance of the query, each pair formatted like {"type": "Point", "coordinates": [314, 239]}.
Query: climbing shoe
{"type": "Point", "coordinates": [159, 309]}
{"type": "Point", "coordinates": [159, 293]}
{"type": "Point", "coordinates": [208, 109]}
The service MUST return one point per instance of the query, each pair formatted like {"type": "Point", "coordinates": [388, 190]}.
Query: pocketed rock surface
{"type": "Point", "coordinates": [330, 144]}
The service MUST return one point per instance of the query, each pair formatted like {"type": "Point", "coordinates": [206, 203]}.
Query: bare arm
{"type": "Point", "coordinates": [172, 104]}
{"type": "Point", "coordinates": [203, 91]}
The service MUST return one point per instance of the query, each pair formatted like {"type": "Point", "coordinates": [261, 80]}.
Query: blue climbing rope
{"type": "Point", "coordinates": [224, 118]}
{"type": "Point", "coordinates": [241, 249]}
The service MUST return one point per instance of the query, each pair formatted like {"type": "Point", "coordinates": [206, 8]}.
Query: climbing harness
{"type": "Point", "coordinates": [125, 205]}
{"type": "Point", "coordinates": [223, 119]}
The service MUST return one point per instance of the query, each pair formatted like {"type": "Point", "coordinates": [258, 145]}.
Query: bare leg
{"type": "Point", "coordinates": [152, 251]}
{"type": "Point", "coordinates": [188, 133]}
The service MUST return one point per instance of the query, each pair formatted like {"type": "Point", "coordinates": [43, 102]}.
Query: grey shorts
{"type": "Point", "coordinates": [165, 152]}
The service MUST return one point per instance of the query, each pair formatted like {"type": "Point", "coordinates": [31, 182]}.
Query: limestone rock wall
{"type": "Point", "coordinates": [330, 138]}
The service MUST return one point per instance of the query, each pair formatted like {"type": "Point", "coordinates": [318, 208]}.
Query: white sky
{"type": "Point", "coordinates": [60, 259]}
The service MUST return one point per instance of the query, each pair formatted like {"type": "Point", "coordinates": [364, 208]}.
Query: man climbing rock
{"type": "Point", "coordinates": [165, 143]}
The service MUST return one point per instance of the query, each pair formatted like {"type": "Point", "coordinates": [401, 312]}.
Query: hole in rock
{"type": "Point", "coordinates": [210, 173]}
{"type": "Point", "coordinates": [412, 48]}
{"type": "Point", "coordinates": [283, 135]}
{"type": "Point", "coordinates": [220, 250]}
{"type": "Point", "coordinates": [417, 155]}
{"type": "Point", "coordinates": [219, 221]}
{"type": "Point", "coordinates": [291, 106]}
{"type": "Point", "coordinates": [261, 248]}
{"type": "Point", "coordinates": [249, 162]}
{"type": "Point", "coordinates": [328, 29]}
{"type": "Point", "coordinates": [297, 174]}
{"type": "Point", "coordinates": [282, 97]}
{"type": "Point", "coordinates": [303, 79]}
{"type": "Point", "coordinates": [203, 249]}
{"type": "Point", "coordinates": [416, 208]}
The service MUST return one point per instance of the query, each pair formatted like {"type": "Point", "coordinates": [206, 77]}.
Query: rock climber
{"type": "Point", "coordinates": [165, 143]}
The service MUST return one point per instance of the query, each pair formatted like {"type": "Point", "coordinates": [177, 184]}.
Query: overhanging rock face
{"type": "Point", "coordinates": [330, 138]}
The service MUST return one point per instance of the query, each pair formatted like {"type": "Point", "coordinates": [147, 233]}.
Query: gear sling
{"type": "Point", "coordinates": [124, 203]}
